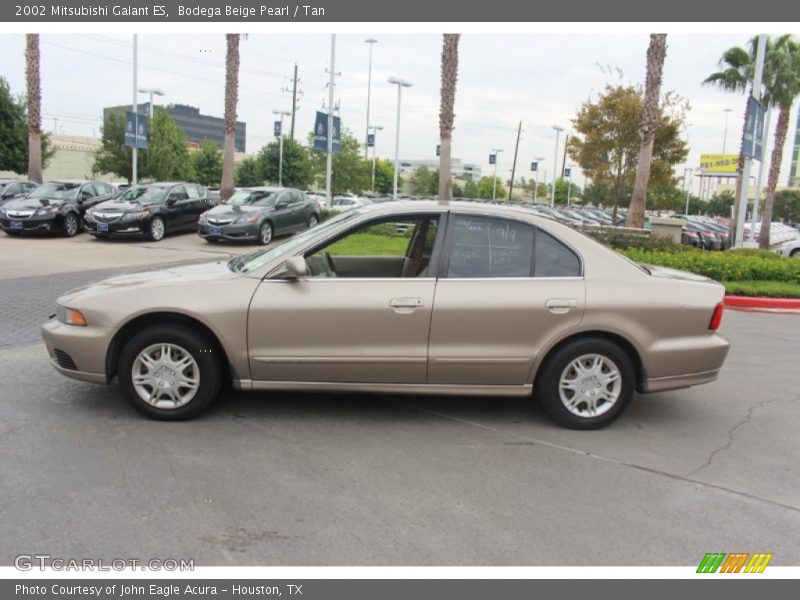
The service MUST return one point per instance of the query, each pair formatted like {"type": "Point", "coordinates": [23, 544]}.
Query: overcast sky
{"type": "Point", "coordinates": [503, 79]}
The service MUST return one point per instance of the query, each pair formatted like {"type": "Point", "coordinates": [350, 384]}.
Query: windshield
{"type": "Point", "coordinates": [60, 191]}
{"type": "Point", "coordinates": [259, 258]}
{"type": "Point", "coordinates": [142, 195]}
{"type": "Point", "coordinates": [250, 197]}
{"type": "Point", "coordinates": [342, 202]}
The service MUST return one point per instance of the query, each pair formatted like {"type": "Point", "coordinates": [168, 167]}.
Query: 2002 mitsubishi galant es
{"type": "Point", "coordinates": [408, 297]}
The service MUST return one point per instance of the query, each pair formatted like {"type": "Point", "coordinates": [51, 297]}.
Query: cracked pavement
{"type": "Point", "coordinates": [283, 479]}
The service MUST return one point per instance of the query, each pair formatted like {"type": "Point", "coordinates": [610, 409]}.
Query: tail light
{"type": "Point", "coordinates": [716, 318]}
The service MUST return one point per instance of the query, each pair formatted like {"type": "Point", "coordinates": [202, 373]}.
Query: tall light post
{"type": "Point", "coordinates": [282, 113]}
{"type": "Point", "coordinates": [686, 173]}
{"type": "Point", "coordinates": [374, 128]}
{"type": "Point", "coordinates": [536, 161]}
{"type": "Point", "coordinates": [152, 92]}
{"type": "Point", "coordinates": [135, 109]}
{"type": "Point", "coordinates": [495, 152]}
{"type": "Point", "coordinates": [400, 83]}
{"type": "Point", "coordinates": [371, 43]}
{"type": "Point", "coordinates": [727, 112]}
{"type": "Point", "coordinates": [558, 129]}
{"type": "Point", "coordinates": [568, 173]}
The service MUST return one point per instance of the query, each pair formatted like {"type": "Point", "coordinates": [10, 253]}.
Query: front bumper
{"type": "Point", "coordinates": [239, 232]}
{"type": "Point", "coordinates": [77, 352]}
{"type": "Point", "coordinates": [116, 228]}
{"type": "Point", "coordinates": [34, 224]}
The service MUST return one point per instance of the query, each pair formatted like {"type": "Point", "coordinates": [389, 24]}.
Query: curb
{"type": "Point", "coordinates": [761, 302]}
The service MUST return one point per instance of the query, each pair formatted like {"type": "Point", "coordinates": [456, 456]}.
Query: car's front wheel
{"type": "Point", "coordinates": [170, 372]}
{"type": "Point", "coordinates": [313, 221]}
{"type": "Point", "coordinates": [795, 253]}
{"type": "Point", "coordinates": [156, 229]}
{"type": "Point", "coordinates": [71, 225]}
{"type": "Point", "coordinates": [265, 233]}
{"type": "Point", "coordinates": [586, 384]}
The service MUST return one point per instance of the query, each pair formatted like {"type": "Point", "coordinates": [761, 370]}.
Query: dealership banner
{"type": "Point", "coordinates": [333, 11]}
{"type": "Point", "coordinates": [719, 164]}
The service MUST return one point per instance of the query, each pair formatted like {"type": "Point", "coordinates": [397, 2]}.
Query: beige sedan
{"type": "Point", "coordinates": [404, 298]}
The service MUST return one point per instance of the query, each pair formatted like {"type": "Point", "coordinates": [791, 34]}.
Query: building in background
{"type": "Point", "coordinates": [197, 127]}
{"type": "Point", "coordinates": [794, 171]}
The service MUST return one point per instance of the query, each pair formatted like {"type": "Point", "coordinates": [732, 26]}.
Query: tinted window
{"type": "Point", "coordinates": [178, 193]}
{"type": "Point", "coordinates": [554, 259]}
{"type": "Point", "coordinates": [62, 191]}
{"type": "Point", "coordinates": [14, 188]}
{"type": "Point", "coordinates": [484, 247]}
{"type": "Point", "coordinates": [194, 193]}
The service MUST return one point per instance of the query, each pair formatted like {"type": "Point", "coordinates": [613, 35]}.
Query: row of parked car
{"type": "Point", "coordinates": [155, 209]}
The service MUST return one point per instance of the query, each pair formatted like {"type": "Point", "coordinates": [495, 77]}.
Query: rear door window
{"type": "Point", "coordinates": [490, 247]}
{"type": "Point", "coordinates": [553, 258]}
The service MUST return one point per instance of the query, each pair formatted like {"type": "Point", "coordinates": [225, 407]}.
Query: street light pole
{"type": "Point", "coordinates": [569, 184]}
{"type": "Point", "coordinates": [152, 92]}
{"type": "Point", "coordinates": [374, 128]}
{"type": "Point", "coordinates": [687, 183]}
{"type": "Point", "coordinates": [134, 153]}
{"type": "Point", "coordinates": [371, 43]}
{"type": "Point", "coordinates": [536, 184]}
{"type": "Point", "coordinates": [496, 151]}
{"type": "Point", "coordinates": [282, 113]}
{"type": "Point", "coordinates": [727, 112]}
{"type": "Point", "coordinates": [558, 129]}
{"type": "Point", "coordinates": [329, 160]}
{"type": "Point", "coordinates": [400, 83]}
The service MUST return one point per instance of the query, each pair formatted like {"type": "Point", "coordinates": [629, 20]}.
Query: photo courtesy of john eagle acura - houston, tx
{"type": "Point", "coordinates": [403, 297]}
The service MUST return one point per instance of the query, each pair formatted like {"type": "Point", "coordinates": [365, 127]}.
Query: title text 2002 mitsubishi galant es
{"type": "Point", "coordinates": [460, 299]}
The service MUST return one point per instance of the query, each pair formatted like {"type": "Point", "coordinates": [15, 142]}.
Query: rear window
{"type": "Point", "coordinates": [553, 258]}
{"type": "Point", "coordinates": [489, 247]}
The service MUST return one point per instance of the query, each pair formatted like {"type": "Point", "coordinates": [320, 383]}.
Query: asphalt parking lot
{"type": "Point", "coordinates": [285, 479]}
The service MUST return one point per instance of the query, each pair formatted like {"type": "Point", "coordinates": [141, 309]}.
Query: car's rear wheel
{"type": "Point", "coordinates": [265, 233]}
{"type": "Point", "coordinates": [170, 372]}
{"type": "Point", "coordinates": [586, 384]}
{"type": "Point", "coordinates": [156, 229]}
{"type": "Point", "coordinates": [71, 225]}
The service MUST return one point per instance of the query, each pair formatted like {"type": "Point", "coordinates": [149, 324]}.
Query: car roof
{"type": "Point", "coordinates": [499, 210]}
{"type": "Point", "coordinates": [264, 188]}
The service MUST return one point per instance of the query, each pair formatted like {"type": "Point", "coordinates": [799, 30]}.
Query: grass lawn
{"type": "Point", "coordinates": [771, 289]}
{"type": "Point", "coordinates": [369, 244]}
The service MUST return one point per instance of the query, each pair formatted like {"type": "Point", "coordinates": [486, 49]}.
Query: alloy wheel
{"type": "Point", "coordinates": [590, 385]}
{"type": "Point", "coordinates": [165, 376]}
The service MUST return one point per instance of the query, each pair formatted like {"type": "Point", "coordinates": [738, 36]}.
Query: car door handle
{"type": "Point", "coordinates": [560, 306]}
{"type": "Point", "coordinates": [406, 302]}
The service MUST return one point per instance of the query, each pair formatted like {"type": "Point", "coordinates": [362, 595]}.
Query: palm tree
{"type": "Point", "coordinates": [738, 66]}
{"type": "Point", "coordinates": [650, 115]}
{"type": "Point", "coordinates": [34, 107]}
{"type": "Point", "coordinates": [231, 99]}
{"type": "Point", "coordinates": [783, 86]}
{"type": "Point", "coordinates": [446, 115]}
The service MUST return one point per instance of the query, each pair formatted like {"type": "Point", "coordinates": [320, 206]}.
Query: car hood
{"type": "Point", "coordinates": [34, 203]}
{"type": "Point", "coordinates": [227, 209]}
{"type": "Point", "coordinates": [185, 272]}
{"type": "Point", "coordinates": [115, 206]}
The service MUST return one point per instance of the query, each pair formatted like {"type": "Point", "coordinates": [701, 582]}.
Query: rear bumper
{"type": "Point", "coordinates": [676, 363]}
{"type": "Point", "coordinates": [676, 382]}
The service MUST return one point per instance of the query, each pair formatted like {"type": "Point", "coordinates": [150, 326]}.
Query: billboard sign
{"type": "Point", "coordinates": [719, 164]}
{"type": "Point", "coordinates": [136, 127]}
{"type": "Point", "coordinates": [321, 133]}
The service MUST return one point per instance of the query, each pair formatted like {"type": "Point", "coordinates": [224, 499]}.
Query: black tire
{"type": "Point", "coordinates": [202, 350]}
{"type": "Point", "coordinates": [265, 233]}
{"type": "Point", "coordinates": [546, 389]}
{"type": "Point", "coordinates": [313, 221]}
{"type": "Point", "coordinates": [71, 225]}
{"type": "Point", "coordinates": [211, 240]}
{"type": "Point", "coordinates": [156, 229]}
{"type": "Point", "coordinates": [795, 253]}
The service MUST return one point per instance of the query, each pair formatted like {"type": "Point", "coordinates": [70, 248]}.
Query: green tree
{"type": "Point", "coordinates": [608, 140]}
{"type": "Point", "coordinates": [351, 172]}
{"type": "Point", "coordinates": [470, 189]}
{"type": "Point", "coordinates": [666, 197]}
{"type": "Point", "coordinates": [720, 205]}
{"type": "Point", "coordinates": [114, 156]}
{"type": "Point", "coordinates": [384, 175]}
{"type": "Point", "coordinates": [207, 164]}
{"type": "Point", "coordinates": [650, 113]}
{"type": "Point", "coordinates": [14, 133]}
{"type": "Point", "coordinates": [598, 193]}
{"type": "Point", "coordinates": [167, 157]}
{"type": "Point", "coordinates": [249, 173]}
{"type": "Point", "coordinates": [782, 69]}
{"type": "Point", "coordinates": [787, 206]}
{"type": "Point", "coordinates": [296, 163]}
{"type": "Point", "coordinates": [485, 187]}
{"type": "Point", "coordinates": [562, 185]}
{"type": "Point", "coordinates": [425, 182]}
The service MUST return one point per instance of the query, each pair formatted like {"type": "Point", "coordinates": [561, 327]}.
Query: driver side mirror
{"type": "Point", "coordinates": [297, 266]}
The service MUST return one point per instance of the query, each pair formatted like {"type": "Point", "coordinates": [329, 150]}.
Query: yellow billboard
{"type": "Point", "coordinates": [719, 164]}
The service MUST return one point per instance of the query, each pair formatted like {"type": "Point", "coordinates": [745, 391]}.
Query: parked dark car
{"type": "Point", "coordinates": [151, 210]}
{"type": "Point", "coordinates": [11, 189]}
{"type": "Point", "coordinates": [55, 206]}
{"type": "Point", "coordinates": [257, 214]}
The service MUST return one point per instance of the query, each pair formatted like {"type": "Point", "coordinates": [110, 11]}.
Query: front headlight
{"type": "Point", "coordinates": [133, 216]}
{"type": "Point", "coordinates": [70, 316]}
{"type": "Point", "coordinates": [47, 210]}
{"type": "Point", "coordinates": [204, 217]}
{"type": "Point", "coordinates": [243, 220]}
